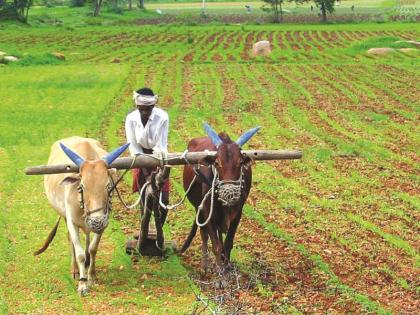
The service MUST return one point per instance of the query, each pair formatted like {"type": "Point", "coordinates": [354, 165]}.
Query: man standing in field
{"type": "Point", "coordinates": [146, 130]}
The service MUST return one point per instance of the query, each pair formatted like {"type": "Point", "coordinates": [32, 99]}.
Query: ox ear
{"type": "Point", "coordinates": [214, 137]}
{"type": "Point", "coordinates": [247, 162]}
{"type": "Point", "coordinates": [246, 136]}
{"type": "Point", "coordinates": [116, 153]}
{"type": "Point", "coordinates": [77, 159]}
{"type": "Point", "coordinates": [69, 180]}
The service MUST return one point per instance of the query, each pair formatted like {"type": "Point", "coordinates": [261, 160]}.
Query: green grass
{"type": "Point", "coordinates": [64, 101]}
{"type": "Point", "coordinates": [352, 193]}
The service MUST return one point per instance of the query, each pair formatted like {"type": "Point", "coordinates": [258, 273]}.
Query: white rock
{"type": "Point", "coordinates": [380, 51]}
{"type": "Point", "coordinates": [10, 58]}
{"type": "Point", "coordinates": [407, 50]}
{"type": "Point", "coordinates": [261, 48]}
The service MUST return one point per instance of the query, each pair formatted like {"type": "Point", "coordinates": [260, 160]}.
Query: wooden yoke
{"type": "Point", "coordinates": [148, 160]}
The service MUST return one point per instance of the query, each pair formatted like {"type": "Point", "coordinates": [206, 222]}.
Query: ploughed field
{"type": "Point", "coordinates": [335, 232]}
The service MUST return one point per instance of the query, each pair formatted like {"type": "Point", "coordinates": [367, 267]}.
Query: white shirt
{"type": "Point", "coordinates": [152, 136]}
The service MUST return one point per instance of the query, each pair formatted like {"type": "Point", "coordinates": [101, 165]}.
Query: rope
{"type": "Point", "coordinates": [174, 206]}
{"type": "Point", "coordinates": [200, 208]}
{"type": "Point", "coordinates": [136, 203]}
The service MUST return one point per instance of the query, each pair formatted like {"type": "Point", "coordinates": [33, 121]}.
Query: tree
{"type": "Point", "coordinates": [15, 9]}
{"type": "Point", "coordinates": [275, 6]}
{"type": "Point", "coordinates": [97, 7]}
{"type": "Point", "coordinates": [325, 6]}
{"type": "Point", "coordinates": [141, 4]}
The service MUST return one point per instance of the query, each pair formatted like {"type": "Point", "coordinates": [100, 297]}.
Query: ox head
{"type": "Point", "coordinates": [229, 159]}
{"type": "Point", "coordinates": [94, 185]}
{"type": "Point", "coordinates": [230, 163]}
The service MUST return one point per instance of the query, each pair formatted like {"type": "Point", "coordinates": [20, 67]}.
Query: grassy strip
{"type": "Point", "coordinates": [120, 286]}
{"type": "Point", "coordinates": [392, 239]}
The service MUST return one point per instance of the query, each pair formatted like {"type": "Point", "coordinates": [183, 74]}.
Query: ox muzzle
{"type": "Point", "coordinates": [229, 192]}
{"type": "Point", "coordinates": [98, 223]}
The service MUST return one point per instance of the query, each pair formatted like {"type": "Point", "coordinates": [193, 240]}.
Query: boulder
{"type": "Point", "coordinates": [261, 48]}
{"type": "Point", "coordinates": [2, 54]}
{"type": "Point", "coordinates": [58, 55]}
{"type": "Point", "coordinates": [407, 50]}
{"type": "Point", "coordinates": [10, 58]}
{"type": "Point", "coordinates": [380, 51]}
{"type": "Point", "coordinates": [413, 42]}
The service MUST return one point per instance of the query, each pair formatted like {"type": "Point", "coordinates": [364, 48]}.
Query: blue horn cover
{"type": "Point", "coordinates": [116, 153]}
{"type": "Point", "coordinates": [246, 136]}
{"type": "Point", "coordinates": [214, 137]}
{"type": "Point", "coordinates": [77, 159]}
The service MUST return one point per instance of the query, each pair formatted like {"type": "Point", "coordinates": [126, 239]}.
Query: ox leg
{"type": "Point", "coordinates": [93, 248]}
{"type": "Point", "coordinates": [80, 256]}
{"type": "Point", "coordinates": [205, 261]}
{"type": "Point", "coordinates": [228, 245]}
{"type": "Point", "coordinates": [216, 245]}
{"type": "Point", "coordinates": [74, 270]}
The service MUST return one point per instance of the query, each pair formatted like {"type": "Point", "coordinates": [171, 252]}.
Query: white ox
{"type": "Point", "coordinates": [83, 199]}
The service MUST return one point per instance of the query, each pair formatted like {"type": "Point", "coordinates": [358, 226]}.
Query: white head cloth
{"type": "Point", "coordinates": [144, 100]}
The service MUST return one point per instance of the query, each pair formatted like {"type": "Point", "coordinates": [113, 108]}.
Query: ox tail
{"type": "Point", "coordinates": [49, 238]}
{"type": "Point", "coordinates": [189, 239]}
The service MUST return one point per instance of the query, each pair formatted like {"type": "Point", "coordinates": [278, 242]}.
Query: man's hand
{"type": "Point", "coordinates": [159, 154]}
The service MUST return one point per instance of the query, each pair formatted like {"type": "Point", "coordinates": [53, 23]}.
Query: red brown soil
{"type": "Point", "coordinates": [309, 39]}
{"type": "Point", "coordinates": [280, 40]}
{"type": "Point", "coordinates": [217, 58]}
{"type": "Point", "coordinates": [291, 41]}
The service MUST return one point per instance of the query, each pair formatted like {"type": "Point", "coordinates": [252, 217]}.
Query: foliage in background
{"type": "Point", "coordinates": [325, 6]}
{"type": "Point", "coordinates": [15, 9]}
{"type": "Point", "coordinates": [275, 6]}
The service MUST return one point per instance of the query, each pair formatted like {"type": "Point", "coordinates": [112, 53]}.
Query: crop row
{"type": "Point", "coordinates": [211, 46]}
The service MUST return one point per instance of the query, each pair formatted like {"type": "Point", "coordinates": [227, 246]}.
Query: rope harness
{"type": "Point", "coordinates": [229, 193]}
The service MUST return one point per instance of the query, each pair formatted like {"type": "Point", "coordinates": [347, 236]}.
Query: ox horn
{"type": "Point", "coordinates": [246, 136]}
{"type": "Point", "coordinates": [214, 137]}
{"type": "Point", "coordinates": [77, 159]}
{"type": "Point", "coordinates": [116, 153]}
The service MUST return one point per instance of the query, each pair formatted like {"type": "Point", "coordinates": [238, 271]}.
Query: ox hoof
{"type": "Point", "coordinates": [221, 284]}
{"type": "Point", "coordinates": [83, 292]}
{"type": "Point", "coordinates": [131, 247]}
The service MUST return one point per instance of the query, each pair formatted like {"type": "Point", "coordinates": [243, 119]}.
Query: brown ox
{"type": "Point", "coordinates": [230, 175]}
{"type": "Point", "coordinates": [83, 200]}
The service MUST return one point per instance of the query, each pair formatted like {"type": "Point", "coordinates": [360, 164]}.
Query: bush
{"type": "Point", "coordinates": [44, 59]}
{"type": "Point", "coordinates": [77, 3]}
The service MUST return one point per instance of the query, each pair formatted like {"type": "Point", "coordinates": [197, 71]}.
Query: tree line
{"type": "Point", "coordinates": [276, 7]}
{"type": "Point", "coordinates": [19, 9]}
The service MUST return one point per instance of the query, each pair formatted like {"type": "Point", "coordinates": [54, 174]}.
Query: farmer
{"type": "Point", "coordinates": [146, 130]}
